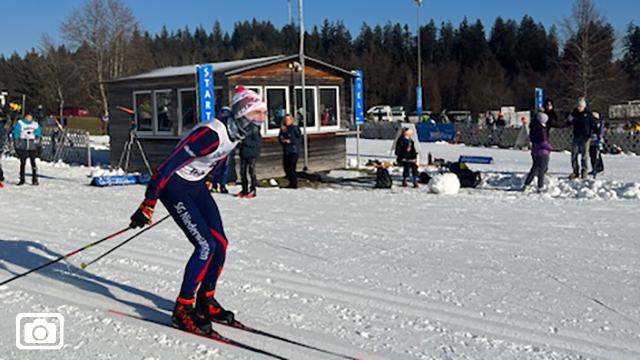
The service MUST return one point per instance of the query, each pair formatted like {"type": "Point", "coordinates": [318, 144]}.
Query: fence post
{"type": "Point", "coordinates": [88, 150]}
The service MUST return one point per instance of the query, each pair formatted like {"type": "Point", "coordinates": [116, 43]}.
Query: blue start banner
{"type": "Point", "coordinates": [539, 98]}
{"type": "Point", "coordinates": [206, 94]}
{"type": "Point", "coordinates": [419, 101]}
{"type": "Point", "coordinates": [358, 94]}
{"type": "Point", "coordinates": [429, 132]}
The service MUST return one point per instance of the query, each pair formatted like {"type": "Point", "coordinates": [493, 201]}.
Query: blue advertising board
{"type": "Point", "coordinates": [419, 101]}
{"type": "Point", "coordinates": [483, 160]}
{"type": "Point", "coordinates": [358, 94]}
{"type": "Point", "coordinates": [428, 132]}
{"type": "Point", "coordinates": [206, 93]}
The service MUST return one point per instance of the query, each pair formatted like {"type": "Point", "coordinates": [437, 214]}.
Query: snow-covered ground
{"type": "Point", "coordinates": [393, 274]}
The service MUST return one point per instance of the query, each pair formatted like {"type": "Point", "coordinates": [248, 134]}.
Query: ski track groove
{"type": "Point", "coordinates": [519, 331]}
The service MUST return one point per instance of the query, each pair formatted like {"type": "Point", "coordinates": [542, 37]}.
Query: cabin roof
{"type": "Point", "coordinates": [227, 67]}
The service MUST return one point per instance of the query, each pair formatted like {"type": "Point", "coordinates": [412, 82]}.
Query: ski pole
{"type": "Point", "coordinates": [84, 265]}
{"type": "Point", "coordinates": [65, 256]}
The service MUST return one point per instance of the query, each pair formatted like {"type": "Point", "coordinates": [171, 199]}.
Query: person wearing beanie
{"type": "Point", "coordinates": [179, 183]}
{"type": "Point", "coordinates": [583, 125]}
{"type": "Point", "coordinates": [27, 140]}
{"type": "Point", "coordinates": [540, 149]}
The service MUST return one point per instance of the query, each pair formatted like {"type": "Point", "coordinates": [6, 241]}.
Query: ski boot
{"type": "Point", "coordinates": [223, 189]}
{"type": "Point", "coordinates": [185, 317]}
{"type": "Point", "coordinates": [583, 176]}
{"type": "Point", "coordinates": [209, 308]}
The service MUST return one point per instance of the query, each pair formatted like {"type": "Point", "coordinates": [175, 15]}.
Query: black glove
{"type": "Point", "coordinates": [141, 217]}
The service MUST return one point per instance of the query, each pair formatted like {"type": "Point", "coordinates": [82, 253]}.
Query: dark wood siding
{"type": "Point", "coordinates": [326, 151]}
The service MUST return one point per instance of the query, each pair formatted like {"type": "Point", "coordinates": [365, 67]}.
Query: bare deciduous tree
{"type": "Point", "coordinates": [58, 72]}
{"type": "Point", "coordinates": [588, 60]}
{"type": "Point", "coordinates": [101, 31]}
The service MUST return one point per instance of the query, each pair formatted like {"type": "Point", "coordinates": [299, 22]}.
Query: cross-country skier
{"type": "Point", "coordinates": [179, 183]}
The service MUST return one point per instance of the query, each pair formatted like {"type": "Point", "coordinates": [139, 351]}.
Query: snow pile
{"type": "Point", "coordinates": [446, 184]}
{"type": "Point", "coordinates": [594, 189]}
{"type": "Point", "coordinates": [106, 172]}
{"type": "Point", "coordinates": [100, 142]}
{"type": "Point", "coordinates": [568, 189]}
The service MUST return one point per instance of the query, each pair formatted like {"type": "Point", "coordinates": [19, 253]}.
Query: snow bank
{"type": "Point", "coordinates": [446, 184]}
{"type": "Point", "coordinates": [565, 188]}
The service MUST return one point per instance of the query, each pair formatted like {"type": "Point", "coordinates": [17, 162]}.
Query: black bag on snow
{"type": "Point", "coordinates": [468, 178]}
{"type": "Point", "coordinates": [424, 177]}
{"type": "Point", "coordinates": [383, 179]}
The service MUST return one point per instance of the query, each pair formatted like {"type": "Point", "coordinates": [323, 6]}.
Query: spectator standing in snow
{"type": "Point", "coordinates": [583, 126]}
{"type": "Point", "coordinates": [554, 120]}
{"type": "Point", "coordinates": [540, 149]}
{"type": "Point", "coordinates": [26, 136]}
{"type": "Point", "coordinates": [3, 137]}
{"type": "Point", "coordinates": [407, 157]}
{"type": "Point", "coordinates": [490, 121]}
{"type": "Point", "coordinates": [249, 154]}
{"type": "Point", "coordinates": [290, 138]}
{"type": "Point", "coordinates": [501, 123]}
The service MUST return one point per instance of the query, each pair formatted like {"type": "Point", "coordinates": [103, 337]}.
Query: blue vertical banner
{"type": "Point", "coordinates": [419, 102]}
{"type": "Point", "coordinates": [206, 93]}
{"type": "Point", "coordinates": [358, 93]}
{"type": "Point", "coordinates": [539, 98]}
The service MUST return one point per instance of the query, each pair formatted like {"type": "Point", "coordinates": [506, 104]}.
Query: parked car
{"type": "Point", "coordinates": [69, 111]}
{"type": "Point", "coordinates": [386, 113]}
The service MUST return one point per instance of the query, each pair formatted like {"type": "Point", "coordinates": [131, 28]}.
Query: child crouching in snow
{"type": "Point", "coordinates": [540, 149]}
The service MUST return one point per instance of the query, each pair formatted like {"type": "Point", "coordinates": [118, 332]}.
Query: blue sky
{"type": "Point", "coordinates": [27, 20]}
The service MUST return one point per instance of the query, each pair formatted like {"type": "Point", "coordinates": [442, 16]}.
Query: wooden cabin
{"type": "Point", "coordinates": [164, 109]}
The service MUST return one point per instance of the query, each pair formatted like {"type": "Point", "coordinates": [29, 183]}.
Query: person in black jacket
{"type": "Point", "coordinates": [3, 136]}
{"type": "Point", "coordinates": [290, 138]}
{"type": "Point", "coordinates": [583, 126]}
{"type": "Point", "coordinates": [249, 153]}
{"type": "Point", "coordinates": [407, 157]}
{"type": "Point", "coordinates": [554, 119]}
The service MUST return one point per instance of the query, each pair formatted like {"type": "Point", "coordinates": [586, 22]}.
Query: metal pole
{"type": "Point", "coordinates": [304, 93]}
{"type": "Point", "coordinates": [418, 5]}
{"type": "Point", "coordinates": [290, 14]}
{"type": "Point", "coordinates": [353, 112]}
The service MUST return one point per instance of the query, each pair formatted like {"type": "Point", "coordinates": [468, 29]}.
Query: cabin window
{"type": "Point", "coordinates": [188, 114]}
{"type": "Point", "coordinates": [143, 111]}
{"type": "Point", "coordinates": [310, 93]}
{"type": "Point", "coordinates": [277, 106]}
{"type": "Point", "coordinates": [329, 109]}
{"type": "Point", "coordinates": [165, 111]}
